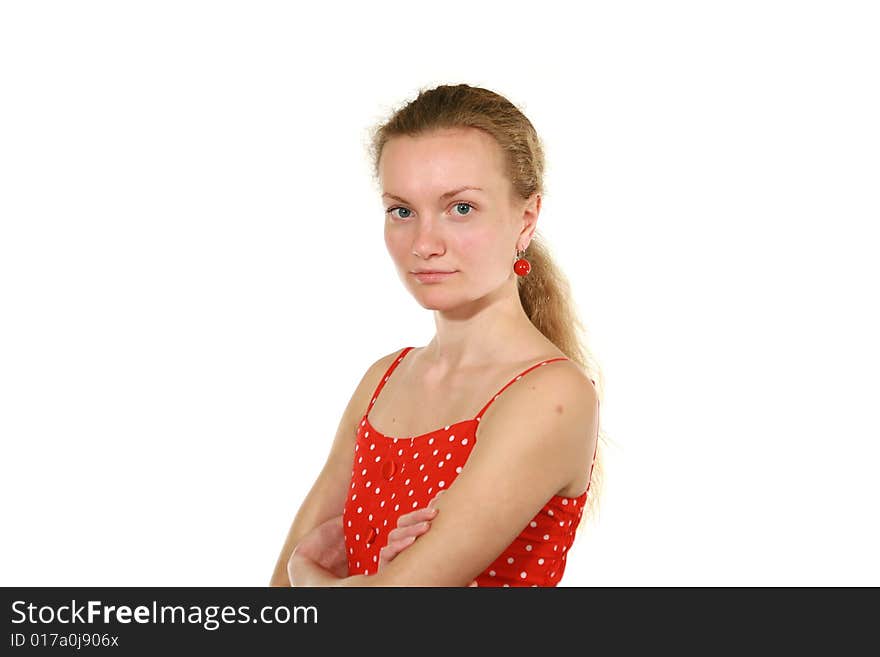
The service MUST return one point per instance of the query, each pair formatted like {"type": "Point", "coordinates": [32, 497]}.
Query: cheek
{"type": "Point", "coordinates": [395, 245]}
{"type": "Point", "coordinates": [477, 253]}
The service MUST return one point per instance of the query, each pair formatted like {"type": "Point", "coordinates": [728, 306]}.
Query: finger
{"type": "Point", "coordinates": [394, 548]}
{"type": "Point", "coordinates": [412, 530]}
{"type": "Point", "coordinates": [416, 516]}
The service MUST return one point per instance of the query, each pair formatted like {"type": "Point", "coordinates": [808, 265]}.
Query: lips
{"type": "Point", "coordinates": [432, 277]}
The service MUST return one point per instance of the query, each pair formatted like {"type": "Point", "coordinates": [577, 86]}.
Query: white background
{"type": "Point", "coordinates": [193, 276]}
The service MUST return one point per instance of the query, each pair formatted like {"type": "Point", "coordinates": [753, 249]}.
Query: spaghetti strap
{"type": "Point", "coordinates": [515, 379]}
{"type": "Point", "coordinates": [388, 372]}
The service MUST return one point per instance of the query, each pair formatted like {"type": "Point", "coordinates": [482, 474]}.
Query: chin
{"type": "Point", "coordinates": [434, 304]}
{"type": "Point", "coordinates": [433, 301]}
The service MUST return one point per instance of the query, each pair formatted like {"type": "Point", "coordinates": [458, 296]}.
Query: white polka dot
{"type": "Point", "coordinates": [363, 472]}
{"type": "Point", "coordinates": [372, 445]}
{"type": "Point", "coordinates": [410, 492]}
{"type": "Point", "coordinates": [377, 458]}
{"type": "Point", "coordinates": [349, 523]}
{"type": "Point", "coordinates": [360, 508]}
{"type": "Point", "coordinates": [451, 438]}
{"type": "Point", "coordinates": [440, 464]}
{"type": "Point", "coordinates": [491, 573]}
{"type": "Point", "coordinates": [369, 483]}
{"type": "Point", "coordinates": [421, 467]}
{"type": "Point", "coordinates": [415, 504]}
{"type": "Point", "coordinates": [426, 478]}
{"type": "Point", "coordinates": [528, 548]}
{"type": "Point", "coordinates": [507, 586]}
{"type": "Point", "coordinates": [541, 561]}
{"type": "Point", "coordinates": [361, 460]}
{"type": "Point", "coordinates": [562, 523]}
{"type": "Point", "coordinates": [430, 489]}
{"type": "Point", "coordinates": [509, 559]}
{"type": "Point", "coordinates": [406, 483]}
{"type": "Point", "coordinates": [533, 524]}
{"type": "Point", "coordinates": [370, 517]}
{"type": "Point", "coordinates": [564, 501]}
{"type": "Point", "coordinates": [393, 495]}
{"type": "Point", "coordinates": [375, 558]}
{"type": "Point", "coordinates": [458, 469]}
{"type": "Point", "coordinates": [549, 512]}
{"type": "Point", "coordinates": [431, 442]}
{"type": "Point", "coordinates": [396, 507]}
{"type": "Point", "coordinates": [435, 452]}
{"type": "Point", "coordinates": [377, 490]}
{"type": "Point", "coordinates": [399, 452]}
{"type": "Point", "coordinates": [354, 496]}
{"type": "Point", "coordinates": [441, 484]}
{"type": "Point", "coordinates": [448, 456]}
{"type": "Point", "coordinates": [464, 441]}
{"type": "Point", "coordinates": [384, 522]}
{"type": "Point", "coordinates": [546, 537]}
{"type": "Point", "coordinates": [523, 574]}
{"type": "Point", "coordinates": [351, 550]}
{"type": "Point", "coordinates": [382, 503]}
{"type": "Point", "coordinates": [366, 571]}
{"type": "Point", "coordinates": [416, 455]}
{"type": "Point", "coordinates": [357, 537]}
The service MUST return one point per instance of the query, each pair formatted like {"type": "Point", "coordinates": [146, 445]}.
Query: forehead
{"type": "Point", "coordinates": [441, 160]}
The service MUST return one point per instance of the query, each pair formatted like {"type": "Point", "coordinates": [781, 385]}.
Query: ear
{"type": "Point", "coordinates": [531, 208]}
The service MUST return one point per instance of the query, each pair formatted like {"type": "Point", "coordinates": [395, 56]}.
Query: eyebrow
{"type": "Point", "coordinates": [452, 192]}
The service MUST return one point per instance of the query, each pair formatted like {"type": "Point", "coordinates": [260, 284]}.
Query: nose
{"type": "Point", "coordinates": [428, 240]}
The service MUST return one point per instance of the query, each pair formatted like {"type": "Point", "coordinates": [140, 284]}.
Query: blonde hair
{"type": "Point", "coordinates": [544, 292]}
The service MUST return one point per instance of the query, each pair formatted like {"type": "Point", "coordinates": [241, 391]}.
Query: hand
{"type": "Point", "coordinates": [325, 545]}
{"type": "Point", "coordinates": [409, 527]}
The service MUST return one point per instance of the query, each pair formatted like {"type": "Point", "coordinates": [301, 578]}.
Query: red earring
{"type": "Point", "coordinates": [521, 266]}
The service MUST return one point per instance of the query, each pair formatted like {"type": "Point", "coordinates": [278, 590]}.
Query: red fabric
{"type": "Point", "coordinates": [393, 476]}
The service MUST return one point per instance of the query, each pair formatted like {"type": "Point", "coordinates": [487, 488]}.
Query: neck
{"type": "Point", "coordinates": [490, 329]}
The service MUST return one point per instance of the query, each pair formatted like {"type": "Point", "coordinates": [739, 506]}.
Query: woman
{"type": "Point", "coordinates": [461, 175]}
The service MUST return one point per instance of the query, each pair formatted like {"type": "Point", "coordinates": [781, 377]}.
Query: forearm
{"type": "Point", "coordinates": [303, 523]}
{"type": "Point", "coordinates": [280, 576]}
{"type": "Point", "coordinates": [305, 572]}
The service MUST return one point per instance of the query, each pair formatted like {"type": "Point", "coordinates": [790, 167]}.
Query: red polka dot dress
{"type": "Point", "coordinates": [396, 475]}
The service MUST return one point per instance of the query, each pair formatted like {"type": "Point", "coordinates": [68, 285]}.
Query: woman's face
{"type": "Point", "coordinates": [433, 223]}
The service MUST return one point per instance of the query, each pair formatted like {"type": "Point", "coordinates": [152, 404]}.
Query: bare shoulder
{"type": "Point", "coordinates": [371, 377]}
{"type": "Point", "coordinates": [380, 366]}
{"type": "Point", "coordinates": [558, 386]}
{"type": "Point", "coordinates": [555, 403]}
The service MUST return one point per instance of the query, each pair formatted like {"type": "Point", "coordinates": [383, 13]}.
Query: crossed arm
{"type": "Point", "coordinates": [538, 435]}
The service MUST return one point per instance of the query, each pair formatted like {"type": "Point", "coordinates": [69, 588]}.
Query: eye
{"type": "Point", "coordinates": [403, 209]}
{"type": "Point", "coordinates": [397, 207]}
{"type": "Point", "coordinates": [467, 205]}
